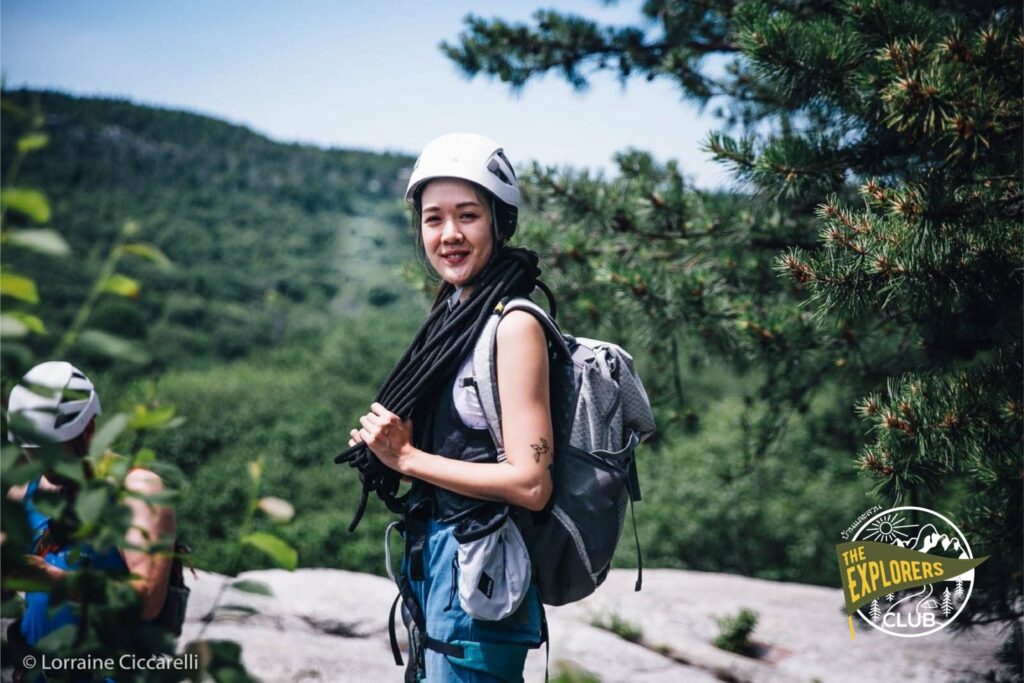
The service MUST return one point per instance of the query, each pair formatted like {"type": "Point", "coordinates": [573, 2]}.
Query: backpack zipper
{"type": "Point", "coordinates": [455, 584]}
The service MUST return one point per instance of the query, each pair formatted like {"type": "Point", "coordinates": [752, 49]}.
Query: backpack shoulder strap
{"type": "Point", "coordinates": [485, 371]}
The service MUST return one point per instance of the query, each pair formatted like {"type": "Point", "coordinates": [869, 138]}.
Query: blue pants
{"type": "Point", "coordinates": [494, 650]}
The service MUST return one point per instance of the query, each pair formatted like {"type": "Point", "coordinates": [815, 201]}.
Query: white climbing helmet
{"type": "Point", "coordinates": [53, 403]}
{"type": "Point", "coordinates": [467, 156]}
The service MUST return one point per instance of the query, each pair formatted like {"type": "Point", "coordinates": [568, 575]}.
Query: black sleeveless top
{"type": "Point", "coordinates": [447, 435]}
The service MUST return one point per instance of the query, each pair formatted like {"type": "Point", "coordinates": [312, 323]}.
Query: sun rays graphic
{"type": "Point", "coordinates": [887, 529]}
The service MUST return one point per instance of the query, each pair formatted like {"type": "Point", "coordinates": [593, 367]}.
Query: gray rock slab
{"type": "Point", "coordinates": [331, 625]}
{"type": "Point", "coordinates": [802, 627]}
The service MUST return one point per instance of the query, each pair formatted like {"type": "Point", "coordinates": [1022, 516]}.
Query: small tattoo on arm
{"type": "Point", "coordinates": [539, 450]}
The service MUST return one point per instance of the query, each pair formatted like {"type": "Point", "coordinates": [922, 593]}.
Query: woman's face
{"type": "Point", "coordinates": [455, 222]}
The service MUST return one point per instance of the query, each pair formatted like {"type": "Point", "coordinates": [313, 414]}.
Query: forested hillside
{"type": "Point", "coordinates": [840, 329]}
{"type": "Point", "coordinates": [286, 306]}
{"type": "Point", "coordinates": [264, 335]}
{"type": "Point", "coordinates": [253, 228]}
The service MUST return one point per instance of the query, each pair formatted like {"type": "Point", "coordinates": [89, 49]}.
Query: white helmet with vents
{"type": "Point", "coordinates": [53, 403]}
{"type": "Point", "coordinates": [467, 156]}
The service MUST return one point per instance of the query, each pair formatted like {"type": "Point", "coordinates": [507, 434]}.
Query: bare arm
{"type": "Point", "coordinates": [36, 568]}
{"type": "Point", "coordinates": [524, 478]}
{"type": "Point", "coordinates": [17, 493]}
{"type": "Point", "coordinates": [150, 524]}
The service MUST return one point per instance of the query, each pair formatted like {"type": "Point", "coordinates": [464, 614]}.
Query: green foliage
{"type": "Point", "coordinates": [933, 254]}
{"type": "Point", "coordinates": [570, 672]}
{"type": "Point", "coordinates": [908, 306]}
{"type": "Point", "coordinates": [734, 633]}
{"type": "Point", "coordinates": [90, 511]}
{"type": "Point", "coordinates": [294, 405]}
{"type": "Point", "coordinates": [269, 545]}
{"type": "Point", "coordinates": [619, 626]}
{"type": "Point", "coordinates": [705, 504]}
{"type": "Point", "coordinates": [252, 227]}
{"type": "Point", "coordinates": [685, 281]}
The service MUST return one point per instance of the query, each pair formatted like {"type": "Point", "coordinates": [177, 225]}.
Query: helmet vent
{"type": "Point", "coordinates": [495, 168]}
{"type": "Point", "coordinates": [501, 153]}
{"type": "Point", "coordinates": [65, 419]}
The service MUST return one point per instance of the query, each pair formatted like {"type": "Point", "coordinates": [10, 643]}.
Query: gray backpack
{"type": "Point", "coordinates": [599, 412]}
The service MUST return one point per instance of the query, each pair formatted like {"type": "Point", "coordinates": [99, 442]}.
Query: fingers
{"type": "Point", "coordinates": [382, 417]}
{"type": "Point", "coordinates": [370, 422]}
{"type": "Point", "coordinates": [376, 427]}
{"type": "Point", "coordinates": [382, 412]}
{"type": "Point", "coordinates": [375, 430]}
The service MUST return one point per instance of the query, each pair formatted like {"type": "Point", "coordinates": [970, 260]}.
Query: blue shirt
{"type": "Point", "coordinates": [37, 620]}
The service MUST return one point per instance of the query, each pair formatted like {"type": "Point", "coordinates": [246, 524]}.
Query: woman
{"type": "Point", "coordinates": [464, 193]}
{"type": "Point", "coordinates": [55, 403]}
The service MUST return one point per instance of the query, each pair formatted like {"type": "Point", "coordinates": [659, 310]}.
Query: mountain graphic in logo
{"type": "Point", "coordinates": [929, 539]}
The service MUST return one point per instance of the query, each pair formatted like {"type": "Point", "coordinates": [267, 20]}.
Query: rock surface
{"type": "Point", "coordinates": [331, 625]}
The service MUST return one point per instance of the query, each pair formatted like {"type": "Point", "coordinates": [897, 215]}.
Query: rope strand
{"type": "Point", "coordinates": [431, 358]}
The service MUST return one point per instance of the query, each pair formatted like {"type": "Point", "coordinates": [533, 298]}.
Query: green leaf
{"type": "Point", "coordinates": [144, 457]}
{"type": "Point", "coordinates": [244, 609]}
{"type": "Point", "coordinates": [60, 640]}
{"type": "Point", "coordinates": [144, 418]}
{"type": "Point", "coordinates": [277, 509]}
{"type": "Point", "coordinates": [18, 583]}
{"type": "Point", "coordinates": [30, 203]}
{"type": "Point", "coordinates": [114, 346]}
{"type": "Point", "coordinates": [250, 586]}
{"type": "Point", "coordinates": [49, 503]}
{"type": "Point", "coordinates": [108, 433]}
{"type": "Point", "coordinates": [18, 353]}
{"type": "Point", "coordinates": [12, 608]}
{"type": "Point", "coordinates": [16, 112]}
{"type": "Point", "coordinates": [16, 472]}
{"type": "Point", "coordinates": [111, 465]}
{"type": "Point", "coordinates": [70, 469]}
{"type": "Point", "coordinates": [19, 287]}
{"type": "Point", "coordinates": [89, 504]}
{"type": "Point", "coordinates": [150, 253]}
{"type": "Point", "coordinates": [11, 327]}
{"type": "Point", "coordinates": [33, 323]}
{"type": "Point", "coordinates": [122, 286]}
{"type": "Point", "coordinates": [274, 548]}
{"type": "Point", "coordinates": [32, 142]}
{"type": "Point", "coordinates": [44, 241]}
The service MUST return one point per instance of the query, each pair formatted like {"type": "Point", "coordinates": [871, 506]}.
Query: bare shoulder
{"type": "Point", "coordinates": [522, 358]}
{"type": "Point", "coordinates": [17, 493]}
{"type": "Point", "coordinates": [520, 327]}
{"type": "Point", "coordinates": [142, 480]}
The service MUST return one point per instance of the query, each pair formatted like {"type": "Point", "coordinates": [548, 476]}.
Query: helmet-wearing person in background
{"type": "Point", "coordinates": [55, 405]}
{"type": "Point", "coordinates": [464, 192]}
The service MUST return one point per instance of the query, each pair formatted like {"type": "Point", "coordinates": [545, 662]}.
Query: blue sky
{"type": "Point", "coordinates": [367, 75]}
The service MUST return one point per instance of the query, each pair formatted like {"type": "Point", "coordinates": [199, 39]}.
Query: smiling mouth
{"type": "Point", "coordinates": [454, 257]}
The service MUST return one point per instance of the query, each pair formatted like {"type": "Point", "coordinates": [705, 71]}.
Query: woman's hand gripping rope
{"type": "Point", "coordinates": [378, 431]}
{"type": "Point", "coordinates": [388, 436]}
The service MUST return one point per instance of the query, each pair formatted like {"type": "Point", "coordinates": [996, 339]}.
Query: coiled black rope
{"type": "Point", "coordinates": [434, 354]}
